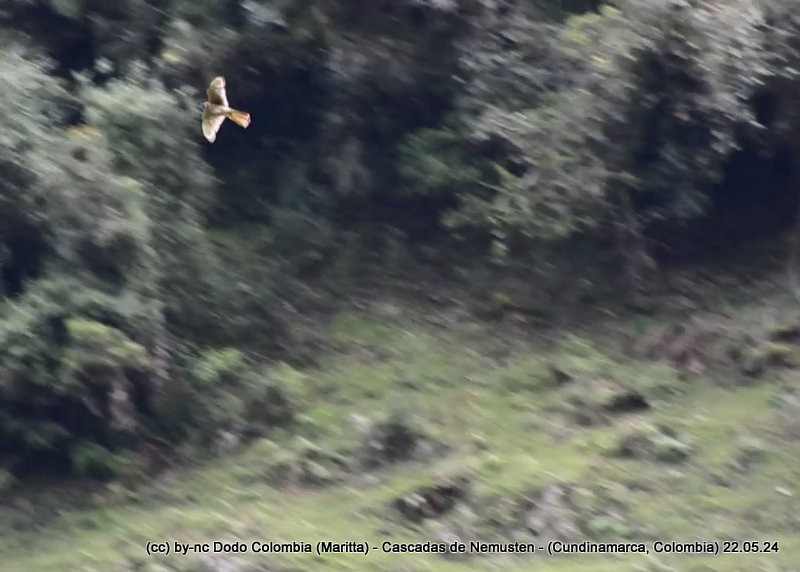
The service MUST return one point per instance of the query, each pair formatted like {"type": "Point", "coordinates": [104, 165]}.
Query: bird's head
{"type": "Point", "coordinates": [202, 105]}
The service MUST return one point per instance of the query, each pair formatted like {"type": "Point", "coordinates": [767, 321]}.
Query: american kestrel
{"type": "Point", "coordinates": [216, 109]}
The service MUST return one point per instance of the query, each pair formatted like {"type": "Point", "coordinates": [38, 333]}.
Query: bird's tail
{"type": "Point", "coordinates": [240, 118]}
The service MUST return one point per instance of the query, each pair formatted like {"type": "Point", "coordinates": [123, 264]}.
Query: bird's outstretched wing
{"type": "Point", "coordinates": [216, 91]}
{"type": "Point", "coordinates": [211, 124]}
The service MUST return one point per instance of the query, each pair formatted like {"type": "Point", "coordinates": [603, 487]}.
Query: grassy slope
{"type": "Point", "coordinates": [486, 395]}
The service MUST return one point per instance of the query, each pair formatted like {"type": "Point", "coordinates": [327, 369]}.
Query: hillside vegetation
{"type": "Point", "coordinates": [412, 430]}
{"type": "Point", "coordinates": [499, 269]}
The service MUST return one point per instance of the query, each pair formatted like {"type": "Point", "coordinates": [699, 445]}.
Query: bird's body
{"type": "Point", "coordinates": [216, 110]}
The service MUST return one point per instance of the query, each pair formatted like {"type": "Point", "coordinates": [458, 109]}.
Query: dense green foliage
{"type": "Point", "coordinates": [132, 251]}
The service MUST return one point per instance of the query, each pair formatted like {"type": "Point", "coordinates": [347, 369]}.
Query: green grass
{"type": "Point", "coordinates": [500, 421]}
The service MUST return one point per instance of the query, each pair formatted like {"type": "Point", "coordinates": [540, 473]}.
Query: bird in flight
{"type": "Point", "coordinates": [216, 109]}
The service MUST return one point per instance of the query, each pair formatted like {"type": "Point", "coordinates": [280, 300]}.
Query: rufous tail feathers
{"type": "Point", "coordinates": [240, 118]}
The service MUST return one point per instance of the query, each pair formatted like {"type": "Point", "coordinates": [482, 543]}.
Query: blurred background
{"type": "Point", "coordinates": [502, 270]}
